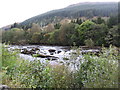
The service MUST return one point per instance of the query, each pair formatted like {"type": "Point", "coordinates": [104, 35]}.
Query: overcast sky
{"type": "Point", "coordinates": [12, 11]}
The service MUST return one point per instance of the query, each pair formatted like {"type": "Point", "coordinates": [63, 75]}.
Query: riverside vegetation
{"type": "Point", "coordinates": [93, 72]}
{"type": "Point", "coordinates": [96, 32]}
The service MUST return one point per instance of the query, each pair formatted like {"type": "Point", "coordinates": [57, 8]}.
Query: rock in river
{"type": "Point", "coordinates": [51, 50]}
{"type": "Point", "coordinates": [46, 56]}
{"type": "Point", "coordinates": [25, 51]}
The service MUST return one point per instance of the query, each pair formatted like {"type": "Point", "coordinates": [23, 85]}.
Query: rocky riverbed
{"type": "Point", "coordinates": [53, 54]}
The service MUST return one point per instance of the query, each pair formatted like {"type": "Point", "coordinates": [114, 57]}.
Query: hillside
{"type": "Point", "coordinates": [88, 9]}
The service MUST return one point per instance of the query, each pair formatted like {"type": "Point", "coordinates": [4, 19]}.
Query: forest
{"type": "Point", "coordinates": [96, 32]}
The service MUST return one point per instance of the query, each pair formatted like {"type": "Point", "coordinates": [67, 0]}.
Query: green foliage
{"type": "Point", "coordinates": [83, 29]}
{"type": "Point", "coordinates": [66, 33]}
{"type": "Point", "coordinates": [9, 59]}
{"type": "Point", "coordinates": [113, 20]}
{"type": "Point", "coordinates": [32, 74]}
{"type": "Point", "coordinates": [113, 36]}
{"type": "Point", "coordinates": [94, 71]}
{"type": "Point", "coordinates": [13, 36]}
{"type": "Point", "coordinates": [97, 34]}
{"type": "Point", "coordinates": [54, 37]}
{"type": "Point", "coordinates": [99, 20]}
{"type": "Point", "coordinates": [79, 21]}
{"type": "Point", "coordinates": [89, 43]}
{"type": "Point", "coordinates": [70, 32]}
{"type": "Point", "coordinates": [100, 72]}
{"type": "Point", "coordinates": [86, 25]}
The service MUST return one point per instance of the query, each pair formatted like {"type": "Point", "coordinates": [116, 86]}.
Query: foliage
{"type": "Point", "coordinates": [9, 59]}
{"type": "Point", "coordinates": [66, 33]}
{"type": "Point", "coordinates": [112, 36]}
{"type": "Point", "coordinates": [93, 72]}
{"type": "Point", "coordinates": [83, 29]}
{"type": "Point", "coordinates": [97, 33]}
{"type": "Point", "coordinates": [70, 32]}
{"type": "Point", "coordinates": [13, 36]}
{"type": "Point", "coordinates": [113, 20]}
{"type": "Point", "coordinates": [100, 72]}
{"type": "Point", "coordinates": [89, 43]}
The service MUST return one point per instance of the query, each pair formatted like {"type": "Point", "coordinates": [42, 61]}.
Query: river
{"type": "Point", "coordinates": [53, 54]}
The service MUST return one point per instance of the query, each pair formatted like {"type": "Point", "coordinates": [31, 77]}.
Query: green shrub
{"type": "Point", "coordinates": [89, 43]}
{"type": "Point", "coordinates": [100, 72]}
{"type": "Point", "coordinates": [9, 59]}
{"type": "Point", "coordinates": [61, 77]}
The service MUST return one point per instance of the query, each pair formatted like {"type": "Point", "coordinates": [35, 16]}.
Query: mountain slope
{"type": "Point", "coordinates": [88, 9]}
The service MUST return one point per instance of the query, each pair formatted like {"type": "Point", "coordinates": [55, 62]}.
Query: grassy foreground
{"type": "Point", "coordinates": [94, 72]}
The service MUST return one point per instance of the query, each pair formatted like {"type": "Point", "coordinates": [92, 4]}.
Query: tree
{"type": "Point", "coordinates": [35, 28]}
{"type": "Point", "coordinates": [66, 32]}
{"type": "Point", "coordinates": [54, 37]}
{"type": "Point", "coordinates": [113, 36]}
{"type": "Point", "coordinates": [35, 38]}
{"type": "Point", "coordinates": [49, 28]}
{"type": "Point", "coordinates": [15, 25]}
{"type": "Point", "coordinates": [113, 20]}
{"type": "Point", "coordinates": [83, 29]}
{"type": "Point", "coordinates": [97, 33]}
{"type": "Point", "coordinates": [13, 36]}
{"type": "Point", "coordinates": [79, 21]}
{"type": "Point", "coordinates": [57, 26]}
{"type": "Point", "coordinates": [100, 20]}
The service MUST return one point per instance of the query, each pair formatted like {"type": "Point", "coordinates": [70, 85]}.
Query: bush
{"type": "Point", "coordinates": [9, 59]}
{"type": "Point", "coordinates": [89, 43]}
{"type": "Point", "coordinates": [100, 72]}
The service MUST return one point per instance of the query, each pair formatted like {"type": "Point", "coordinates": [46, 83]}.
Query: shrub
{"type": "Point", "coordinates": [89, 43]}
{"type": "Point", "coordinates": [100, 72]}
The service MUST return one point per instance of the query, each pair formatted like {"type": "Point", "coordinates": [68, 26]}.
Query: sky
{"type": "Point", "coordinates": [12, 11]}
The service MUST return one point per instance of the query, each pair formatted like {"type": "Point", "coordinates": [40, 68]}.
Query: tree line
{"type": "Point", "coordinates": [79, 32]}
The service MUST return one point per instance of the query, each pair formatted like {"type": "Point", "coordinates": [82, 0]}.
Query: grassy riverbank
{"type": "Point", "coordinates": [95, 72]}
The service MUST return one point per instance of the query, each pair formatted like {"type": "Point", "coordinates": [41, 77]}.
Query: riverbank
{"type": "Point", "coordinates": [93, 72]}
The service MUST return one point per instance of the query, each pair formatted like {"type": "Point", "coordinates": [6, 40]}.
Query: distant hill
{"type": "Point", "coordinates": [88, 9]}
{"type": "Point", "coordinates": [6, 27]}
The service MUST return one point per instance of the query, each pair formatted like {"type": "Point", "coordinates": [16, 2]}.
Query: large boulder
{"type": "Point", "coordinates": [59, 52]}
{"type": "Point", "coordinates": [51, 50]}
{"type": "Point", "coordinates": [25, 51]}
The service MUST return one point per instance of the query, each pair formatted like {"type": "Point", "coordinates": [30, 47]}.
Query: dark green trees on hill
{"type": "Point", "coordinates": [88, 10]}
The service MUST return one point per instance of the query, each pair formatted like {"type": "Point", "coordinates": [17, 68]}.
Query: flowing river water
{"type": "Point", "coordinates": [53, 54]}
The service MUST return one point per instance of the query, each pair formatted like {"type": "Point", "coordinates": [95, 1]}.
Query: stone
{"type": "Point", "coordinates": [51, 50]}
{"type": "Point", "coordinates": [59, 52]}
{"type": "Point", "coordinates": [25, 51]}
